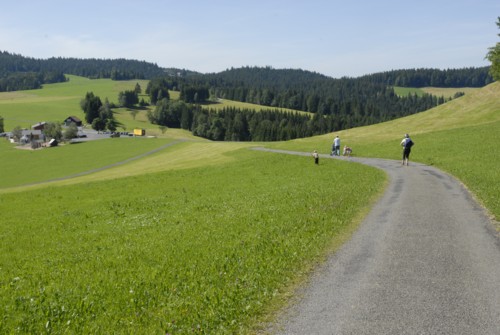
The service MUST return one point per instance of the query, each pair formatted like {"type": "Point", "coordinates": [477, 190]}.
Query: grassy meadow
{"type": "Point", "coordinates": [55, 102]}
{"type": "Point", "coordinates": [204, 250]}
{"type": "Point", "coordinates": [447, 92]}
{"type": "Point", "coordinates": [198, 237]}
{"type": "Point", "coordinates": [194, 238]}
{"type": "Point", "coordinates": [24, 167]}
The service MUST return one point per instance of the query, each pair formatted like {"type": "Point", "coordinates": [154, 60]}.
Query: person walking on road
{"type": "Point", "coordinates": [406, 143]}
{"type": "Point", "coordinates": [336, 146]}
{"type": "Point", "coordinates": [316, 157]}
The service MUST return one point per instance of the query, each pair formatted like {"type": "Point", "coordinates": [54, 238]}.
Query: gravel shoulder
{"type": "Point", "coordinates": [426, 260]}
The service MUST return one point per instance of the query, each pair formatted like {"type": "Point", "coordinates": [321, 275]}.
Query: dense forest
{"type": "Point", "coordinates": [466, 77]}
{"type": "Point", "coordinates": [236, 124]}
{"type": "Point", "coordinates": [351, 101]}
{"type": "Point", "coordinates": [29, 80]}
{"type": "Point", "coordinates": [20, 73]}
{"type": "Point", "coordinates": [335, 103]}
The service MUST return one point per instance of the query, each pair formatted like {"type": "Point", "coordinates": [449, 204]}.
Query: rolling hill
{"type": "Point", "coordinates": [199, 236]}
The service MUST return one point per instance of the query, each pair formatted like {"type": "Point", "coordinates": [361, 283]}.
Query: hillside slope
{"type": "Point", "coordinates": [460, 137]}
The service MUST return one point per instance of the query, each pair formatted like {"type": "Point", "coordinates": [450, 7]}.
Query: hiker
{"type": "Point", "coordinates": [316, 157]}
{"type": "Point", "coordinates": [336, 146]}
{"type": "Point", "coordinates": [406, 143]}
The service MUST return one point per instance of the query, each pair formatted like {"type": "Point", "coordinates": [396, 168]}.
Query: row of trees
{"type": "Point", "coordinates": [235, 124]}
{"type": "Point", "coordinates": [28, 80]}
{"type": "Point", "coordinates": [194, 94]}
{"type": "Point", "coordinates": [118, 69]}
{"type": "Point", "coordinates": [466, 77]}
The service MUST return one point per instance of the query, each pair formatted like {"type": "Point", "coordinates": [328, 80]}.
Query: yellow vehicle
{"type": "Point", "coordinates": [139, 132]}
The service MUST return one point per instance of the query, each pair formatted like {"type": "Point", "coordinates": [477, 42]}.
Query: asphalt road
{"type": "Point", "coordinates": [426, 260]}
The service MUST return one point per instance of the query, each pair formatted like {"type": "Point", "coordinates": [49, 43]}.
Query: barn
{"type": "Point", "coordinates": [39, 126]}
{"type": "Point", "coordinates": [72, 119]}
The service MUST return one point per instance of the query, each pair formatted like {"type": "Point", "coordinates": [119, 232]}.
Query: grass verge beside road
{"type": "Point", "coordinates": [201, 250]}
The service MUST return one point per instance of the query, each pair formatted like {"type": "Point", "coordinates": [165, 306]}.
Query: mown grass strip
{"type": "Point", "coordinates": [23, 167]}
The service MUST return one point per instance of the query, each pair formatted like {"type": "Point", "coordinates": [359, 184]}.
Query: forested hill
{"type": "Point", "coordinates": [346, 102]}
{"type": "Point", "coordinates": [466, 77]}
{"type": "Point", "coordinates": [282, 79]}
{"type": "Point", "coordinates": [19, 72]}
{"type": "Point", "coordinates": [91, 68]}
{"type": "Point", "coordinates": [354, 101]}
{"type": "Point", "coordinates": [336, 103]}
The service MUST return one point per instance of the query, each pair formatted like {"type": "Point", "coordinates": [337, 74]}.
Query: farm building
{"type": "Point", "coordinates": [28, 136]}
{"type": "Point", "coordinates": [72, 119]}
{"type": "Point", "coordinates": [39, 126]}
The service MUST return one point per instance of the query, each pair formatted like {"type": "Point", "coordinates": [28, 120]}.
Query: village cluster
{"type": "Point", "coordinates": [36, 138]}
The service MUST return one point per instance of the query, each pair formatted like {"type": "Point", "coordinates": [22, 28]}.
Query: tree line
{"type": "Point", "coordinates": [466, 77]}
{"type": "Point", "coordinates": [237, 124]}
{"type": "Point", "coordinates": [20, 73]}
{"type": "Point", "coordinates": [98, 114]}
{"type": "Point", "coordinates": [29, 80]}
{"type": "Point", "coordinates": [118, 69]}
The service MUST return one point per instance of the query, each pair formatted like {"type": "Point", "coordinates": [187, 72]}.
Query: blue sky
{"type": "Point", "coordinates": [335, 38]}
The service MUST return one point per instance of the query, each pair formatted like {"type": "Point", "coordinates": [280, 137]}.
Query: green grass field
{"type": "Point", "coordinates": [55, 102]}
{"type": "Point", "coordinates": [200, 237]}
{"type": "Point", "coordinates": [23, 167]}
{"type": "Point", "coordinates": [437, 91]}
{"type": "Point", "coordinates": [201, 250]}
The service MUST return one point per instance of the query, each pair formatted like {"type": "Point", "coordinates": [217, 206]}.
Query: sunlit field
{"type": "Point", "coordinates": [181, 235]}
{"type": "Point", "coordinates": [201, 250]}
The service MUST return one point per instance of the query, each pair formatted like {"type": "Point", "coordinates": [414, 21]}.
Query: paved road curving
{"type": "Point", "coordinates": [426, 260]}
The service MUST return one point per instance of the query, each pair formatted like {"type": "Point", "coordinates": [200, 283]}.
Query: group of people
{"type": "Point", "coordinates": [406, 143]}
{"type": "Point", "coordinates": [336, 148]}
